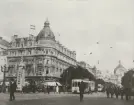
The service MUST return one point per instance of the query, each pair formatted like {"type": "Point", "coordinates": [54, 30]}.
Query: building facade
{"type": "Point", "coordinates": [42, 54]}
{"type": "Point", "coordinates": [3, 54]}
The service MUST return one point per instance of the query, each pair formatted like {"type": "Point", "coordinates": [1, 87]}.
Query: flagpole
{"type": "Point", "coordinates": [32, 28]}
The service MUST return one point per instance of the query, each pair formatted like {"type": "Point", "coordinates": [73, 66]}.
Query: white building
{"type": "Point", "coordinates": [43, 55]}
{"type": "Point", "coordinates": [3, 58]}
{"type": "Point", "coordinates": [119, 73]}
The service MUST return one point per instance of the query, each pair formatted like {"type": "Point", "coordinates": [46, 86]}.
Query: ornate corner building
{"type": "Point", "coordinates": [42, 54]}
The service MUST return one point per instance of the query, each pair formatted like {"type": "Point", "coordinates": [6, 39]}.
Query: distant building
{"type": "Point", "coordinates": [42, 55]}
{"type": "Point", "coordinates": [3, 54]}
{"type": "Point", "coordinates": [99, 74]}
{"type": "Point", "coordinates": [87, 66]}
{"type": "Point", "coordinates": [119, 73]}
{"type": "Point", "coordinates": [107, 76]}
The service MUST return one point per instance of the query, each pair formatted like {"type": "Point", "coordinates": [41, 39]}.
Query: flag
{"type": "Point", "coordinates": [97, 42]}
{"type": "Point", "coordinates": [90, 52]}
{"type": "Point", "coordinates": [32, 27]}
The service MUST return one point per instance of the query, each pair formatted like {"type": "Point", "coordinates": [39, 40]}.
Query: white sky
{"type": "Point", "coordinates": [81, 23]}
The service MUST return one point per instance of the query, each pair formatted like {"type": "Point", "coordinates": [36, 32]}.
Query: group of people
{"type": "Point", "coordinates": [111, 91]}
{"type": "Point", "coordinates": [117, 91]}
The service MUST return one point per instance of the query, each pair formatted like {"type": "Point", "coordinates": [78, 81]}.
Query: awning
{"type": "Point", "coordinates": [6, 83]}
{"type": "Point", "coordinates": [52, 84]}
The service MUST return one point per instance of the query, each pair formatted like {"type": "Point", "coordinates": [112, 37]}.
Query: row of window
{"type": "Point", "coordinates": [39, 51]}
{"type": "Point", "coordinates": [32, 43]}
{"type": "Point", "coordinates": [14, 53]}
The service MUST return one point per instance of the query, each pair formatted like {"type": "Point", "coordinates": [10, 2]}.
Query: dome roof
{"type": "Point", "coordinates": [46, 32]}
{"type": "Point", "coordinates": [119, 67]}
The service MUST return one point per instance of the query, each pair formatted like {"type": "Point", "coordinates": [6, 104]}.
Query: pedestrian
{"type": "Point", "coordinates": [89, 90]}
{"type": "Point", "coordinates": [44, 89]}
{"type": "Point", "coordinates": [116, 91]}
{"type": "Point", "coordinates": [33, 86]}
{"type": "Point", "coordinates": [81, 89]}
{"type": "Point", "coordinates": [64, 88]}
{"type": "Point", "coordinates": [107, 91]}
{"type": "Point", "coordinates": [13, 87]}
{"type": "Point", "coordinates": [127, 93]}
{"type": "Point", "coordinates": [122, 92]}
{"type": "Point", "coordinates": [111, 91]}
{"type": "Point", "coordinates": [48, 90]}
{"type": "Point", "coordinates": [57, 89]}
{"type": "Point", "coordinates": [54, 88]}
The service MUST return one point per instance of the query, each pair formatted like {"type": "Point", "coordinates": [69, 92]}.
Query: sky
{"type": "Point", "coordinates": [81, 24]}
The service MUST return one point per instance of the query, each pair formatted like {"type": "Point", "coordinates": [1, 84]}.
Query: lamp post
{"type": "Point", "coordinates": [47, 71]}
{"type": "Point", "coordinates": [66, 80]}
{"type": "Point", "coordinates": [4, 69]}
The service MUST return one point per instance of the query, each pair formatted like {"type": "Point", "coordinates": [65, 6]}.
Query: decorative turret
{"type": "Point", "coordinates": [46, 24]}
{"type": "Point", "coordinates": [46, 32]}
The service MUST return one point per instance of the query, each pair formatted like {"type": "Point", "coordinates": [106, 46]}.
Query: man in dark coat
{"type": "Point", "coordinates": [127, 93]}
{"type": "Point", "coordinates": [48, 89]}
{"type": "Point", "coordinates": [116, 91]}
{"type": "Point", "coordinates": [81, 89]}
{"type": "Point", "coordinates": [89, 90]}
{"type": "Point", "coordinates": [111, 89]}
{"type": "Point", "coordinates": [13, 87]}
{"type": "Point", "coordinates": [107, 91]}
{"type": "Point", "coordinates": [122, 92]}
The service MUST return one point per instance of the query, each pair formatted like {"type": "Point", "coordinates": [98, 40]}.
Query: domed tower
{"type": "Point", "coordinates": [46, 33]}
{"type": "Point", "coordinates": [119, 72]}
{"type": "Point", "coordinates": [120, 69]}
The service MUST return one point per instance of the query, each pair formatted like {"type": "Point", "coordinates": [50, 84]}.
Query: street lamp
{"type": "Point", "coordinates": [4, 69]}
{"type": "Point", "coordinates": [66, 79]}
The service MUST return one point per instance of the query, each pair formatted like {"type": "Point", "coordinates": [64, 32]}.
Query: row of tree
{"type": "Point", "coordinates": [75, 73]}
{"type": "Point", "coordinates": [78, 73]}
{"type": "Point", "coordinates": [128, 79]}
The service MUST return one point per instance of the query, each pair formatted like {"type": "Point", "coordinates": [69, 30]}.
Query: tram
{"type": "Point", "coordinates": [76, 82]}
